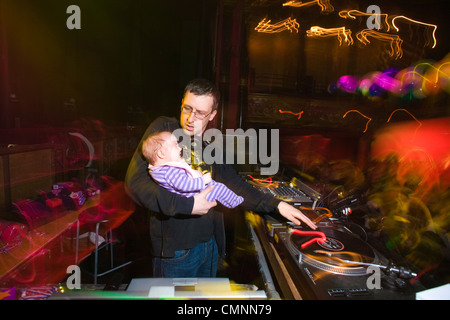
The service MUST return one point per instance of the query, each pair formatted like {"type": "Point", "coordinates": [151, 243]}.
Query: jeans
{"type": "Point", "coordinates": [198, 262]}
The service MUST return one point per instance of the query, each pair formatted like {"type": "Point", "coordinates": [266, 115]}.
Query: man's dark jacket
{"type": "Point", "coordinates": [172, 226]}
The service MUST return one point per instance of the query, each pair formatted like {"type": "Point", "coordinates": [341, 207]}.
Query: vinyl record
{"type": "Point", "coordinates": [341, 252]}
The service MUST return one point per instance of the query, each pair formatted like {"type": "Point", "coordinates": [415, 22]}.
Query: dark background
{"type": "Point", "coordinates": [131, 59]}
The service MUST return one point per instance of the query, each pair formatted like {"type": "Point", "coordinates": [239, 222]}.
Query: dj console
{"type": "Point", "coordinates": [331, 262]}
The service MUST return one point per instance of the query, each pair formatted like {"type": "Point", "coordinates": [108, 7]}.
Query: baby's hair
{"type": "Point", "coordinates": [152, 144]}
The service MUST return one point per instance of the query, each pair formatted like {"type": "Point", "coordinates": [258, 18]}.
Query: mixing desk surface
{"type": "Point", "coordinates": [284, 191]}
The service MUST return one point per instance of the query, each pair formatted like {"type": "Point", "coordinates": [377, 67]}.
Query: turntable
{"type": "Point", "coordinates": [331, 262]}
{"type": "Point", "coordinates": [332, 251]}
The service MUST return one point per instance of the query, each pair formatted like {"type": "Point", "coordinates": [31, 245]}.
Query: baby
{"type": "Point", "coordinates": [171, 172]}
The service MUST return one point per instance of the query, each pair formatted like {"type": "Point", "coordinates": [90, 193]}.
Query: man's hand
{"type": "Point", "coordinates": [294, 215]}
{"type": "Point", "coordinates": [201, 205]}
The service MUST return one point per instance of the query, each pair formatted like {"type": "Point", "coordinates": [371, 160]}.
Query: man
{"type": "Point", "coordinates": [187, 234]}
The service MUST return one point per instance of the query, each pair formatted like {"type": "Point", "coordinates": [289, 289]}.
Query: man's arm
{"type": "Point", "coordinates": [257, 201]}
{"type": "Point", "coordinates": [145, 192]}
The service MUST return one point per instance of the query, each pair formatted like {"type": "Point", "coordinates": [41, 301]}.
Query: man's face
{"type": "Point", "coordinates": [196, 113]}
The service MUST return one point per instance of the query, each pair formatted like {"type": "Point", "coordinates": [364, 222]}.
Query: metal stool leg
{"type": "Point", "coordinates": [109, 243]}
{"type": "Point", "coordinates": [97, 226]}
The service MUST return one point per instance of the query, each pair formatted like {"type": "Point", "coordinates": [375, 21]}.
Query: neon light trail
{"type": "Point", "coordinates": [367, 123]}
{"type": "Point", "coordinates": [433, 26]}
{"type": "Point", "coordinates": [395, 41]}
{"type": "Point", "coordinates": [324, 5]}
{"type": "Point", "coordinates": [341, 33]}
{"type": "Point", "coordinates": [299, 114]}
{"type": "Point", "coordinates": [351, 14]}
{"type": "Point", "coordinates": [419, 81]}
{"type": "Point", "coordinates": [344, 34]}
{"type": "Point", "coordinates": [287, 24]}
{"type": "Point", "coordinates": [420, 123]}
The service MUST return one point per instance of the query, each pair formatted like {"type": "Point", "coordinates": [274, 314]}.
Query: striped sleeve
{"type": "Point", "coordinates": [179, 180]}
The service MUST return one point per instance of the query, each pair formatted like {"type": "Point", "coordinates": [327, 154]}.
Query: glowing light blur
{"type": "Point", "coordinates": [348, 83]}
{"type": "Point", "coordinates": [299, 114]}
{"type": "Point", "coordinates": [267, 27]}
{"type": "Point", "coordinates": [384, 21]}
{"type": "Point", "coordinates": [351, 14]}
{"type": "Point", "coordinates": [410, 183]}
{"type": "Point", "coordinates": [395, 42]}
{"type": "Point", "coordinates": [324, 5]}
{"type": "Point", "coordinates": [342, 34]}
{"type": "Point", "coordinates": [426, 78]}
{"type": "Point", "coordinates": [367, 123]}
{"type": "Point", "coordinates": [404, 110]}
{"type": "Point", "coordinates": [49, 249]}
{"type": "Point", "coordinates": [419, 81]}
{"type": "Point", "coordinates": [409, 20]}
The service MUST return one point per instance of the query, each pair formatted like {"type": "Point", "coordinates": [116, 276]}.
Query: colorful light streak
{"type": "Point", "coordinates": [427, 77]}
{"type": "Point", "coordinates": [341, 33]}
{"type": "Point", "coordinates": [266, 26]}
{"type": "Point", "coordinates": [325, 5]}
{"type": "Point", "coordinates": [419, 81]}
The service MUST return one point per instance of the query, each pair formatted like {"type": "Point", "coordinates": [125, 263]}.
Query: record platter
{"type": "Point", "coordinates": [339, 253]}
{"type": "Point", "coordinates": [332, 262]}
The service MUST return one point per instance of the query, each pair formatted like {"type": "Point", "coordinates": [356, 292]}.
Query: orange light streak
{"type": "Point", "coordinates": [367, 124]}
{"type": "Point", "coordinates": [417, 22]}
{"type": "Point", "coordinates": [325, 5]}
{"type": "Point", "coordinates": [343, 262]}
{"type": "Point", "coordinates": [266, 180]}
{"type": "Point", "coordinates": [287, 24]}
{"type": "Point", "coordinates": [420, 123]}
{"type": "Point", "coordinates": [346, 14]}
{"type": "Point", "coordinates": [340, 32]}
{"type": "Point", "coordinates": [299, 114]}
{"type": "Point", "coordinates": [394, 40]}
{"type": "Point", "coordinates": [322, 216]}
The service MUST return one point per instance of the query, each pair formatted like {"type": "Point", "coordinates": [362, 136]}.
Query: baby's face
{"type": "Point", "coordinates": [173, 151]}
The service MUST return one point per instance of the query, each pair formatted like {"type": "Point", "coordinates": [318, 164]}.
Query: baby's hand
{"type": "Point", "coordinates": [207, 178]}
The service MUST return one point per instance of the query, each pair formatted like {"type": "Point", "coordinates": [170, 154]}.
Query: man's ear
{"type": "Point", "coordinates": [212, 115]}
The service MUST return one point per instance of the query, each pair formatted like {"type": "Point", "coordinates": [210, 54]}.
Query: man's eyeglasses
{"type": "Point", "coordinates": [197, 115]}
